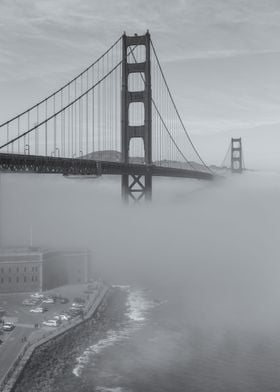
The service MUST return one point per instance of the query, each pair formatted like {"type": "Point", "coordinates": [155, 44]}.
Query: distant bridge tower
{"type": "Point", "coordinates": [136, 186]}
{"type": "Point", "coordinates": [236, 156]}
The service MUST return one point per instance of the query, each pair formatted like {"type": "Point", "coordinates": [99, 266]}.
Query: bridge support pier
{"type": "Point", "coordinates": [236, 156]}
{"type": "Point", "coordinates": [136, 187]}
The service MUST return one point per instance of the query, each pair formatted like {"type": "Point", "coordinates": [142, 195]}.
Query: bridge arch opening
{"type": "Point", "coordinates": [136, 81]}
{"type": "Point", "coordinates": [136, 114]}
{"type": "Point", "coordinates": [136, 150]}
{"type": "Point", "coordinates": [136, 54]}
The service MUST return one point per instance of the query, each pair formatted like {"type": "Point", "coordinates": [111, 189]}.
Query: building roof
{"type": "Point", "coordinates": [20, 251]}
{"type": "Point", "coordinates": [17, 254]}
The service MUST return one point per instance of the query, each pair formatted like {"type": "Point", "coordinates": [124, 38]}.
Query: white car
{"type": "Point", "coordinates": [51, 323]}
{"type": "Point", "coordinates": [64, 317]}
{"type": "Point", "coordinates": [8, 326]}
{"type": "Point", "coordinates": [76, 305]}
{"type": "Point", "coordinates": [30, 302]}
{"type": "Point", "coordinates": [38, 310]}
{"type": "Point", "coordinates": [48, 300]}
{"type": "Point", "coordinates": [37, 295]}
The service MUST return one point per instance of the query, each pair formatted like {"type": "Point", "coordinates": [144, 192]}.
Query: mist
{"type": "Point", "coordinates": [210, 248]}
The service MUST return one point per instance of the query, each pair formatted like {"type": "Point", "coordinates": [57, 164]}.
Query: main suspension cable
{"type": "Point", "coordinates": [176, 109]}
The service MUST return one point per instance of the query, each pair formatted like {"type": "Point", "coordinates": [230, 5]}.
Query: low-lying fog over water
{"type": "Point", "coordinates": [199, 268]}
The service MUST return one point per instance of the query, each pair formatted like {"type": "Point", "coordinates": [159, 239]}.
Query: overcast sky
{"type": "Point", "coordinates": [221, 58]}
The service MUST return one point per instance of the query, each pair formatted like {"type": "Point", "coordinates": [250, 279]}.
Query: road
{"type": "Point", "coordinates": [11, 347]}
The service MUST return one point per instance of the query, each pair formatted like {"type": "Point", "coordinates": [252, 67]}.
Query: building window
{"type": "Point", "coordinates": [36, 269]}
{"type": "Point", "coordinates": [17, 279]}
{"type": "Point", "coordinates": [2, 280]}
{"type": "Point", "coordinates": [10, 270]}
{"type": "Point", "coordinates": [24, 279]}
{"type": "Point", "coordinates": [36, 278]}
{"type": "Point", "coordinates": [2, 270]}
{"type": "Point", "coordinates": [10, 279]}
{"type": "Point", "coordinates": [24, 269]}
{"type": "Point", "coordinates": [17, 269]}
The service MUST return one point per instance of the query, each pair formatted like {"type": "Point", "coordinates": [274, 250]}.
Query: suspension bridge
{"type": "Point", "coordinates": [117, 117]}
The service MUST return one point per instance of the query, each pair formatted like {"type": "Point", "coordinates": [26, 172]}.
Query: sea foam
{"type": "Point", "coordinates": [138, 306]}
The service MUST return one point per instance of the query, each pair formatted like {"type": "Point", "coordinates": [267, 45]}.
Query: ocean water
{"type": "Point", "coordinates": [202, 313]}
{"type": "Point", "coordinates": [151, 350]}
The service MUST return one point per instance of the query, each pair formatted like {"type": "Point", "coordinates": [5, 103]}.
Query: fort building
{"type": "Point", "coordinates": [34, 269]}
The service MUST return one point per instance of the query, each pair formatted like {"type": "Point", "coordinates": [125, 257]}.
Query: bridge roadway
{"type": "Point", "coordinates": [79, 166]}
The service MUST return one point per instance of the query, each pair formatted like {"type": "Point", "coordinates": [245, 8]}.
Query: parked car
{"type": "Point", "coordinates": [39, 309]}
{"type": "Point", "coordinates": [76, 311]}
{"type": "Point", "coordinates": [1, 341]}
{"type": "Point", "coordinates": [8, 326]}
{"type": "Point", "coordinates": [77, 306]}
{"type": "Point", "coordinates": [37, 295]}
{"type": "Point", "coordinates": [48, 300]}
{"type": "Point", "coordinates": [51, 323]}
{"type": "Point", "coordinates": [30, 302]}
{"type": "Point", "coordinates": [64, 317]}
{"type": "Point", "coordinates": [61, 317]}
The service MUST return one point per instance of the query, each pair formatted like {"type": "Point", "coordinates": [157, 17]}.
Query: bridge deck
{"type": "Point", "coordinates": [75, 166]}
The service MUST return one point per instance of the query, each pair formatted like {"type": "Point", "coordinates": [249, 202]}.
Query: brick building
{"type": "Point", "coordinates": [33, 269]}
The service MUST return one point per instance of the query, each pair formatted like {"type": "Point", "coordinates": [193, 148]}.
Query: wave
{"type": "Point", "coordinates": [137, 305]}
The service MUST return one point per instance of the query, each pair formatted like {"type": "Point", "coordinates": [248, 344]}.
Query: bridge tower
{"type": "Point", "coordinates": [136, 186]}
{"type": "Point", "coordinates": [236, 155]}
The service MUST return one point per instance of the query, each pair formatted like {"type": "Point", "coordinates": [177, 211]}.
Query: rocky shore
{"type": "Point", "coordinates": [50, 369]}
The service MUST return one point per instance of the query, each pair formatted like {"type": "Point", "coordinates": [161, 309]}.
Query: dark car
{"type": "Point", "coordinates": [75, 312]}
{"type": "Point", "coordinates": [8, 326]}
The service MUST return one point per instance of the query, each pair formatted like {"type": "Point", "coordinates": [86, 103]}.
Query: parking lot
{"type": "Point", "coordinates": [23, 315]}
